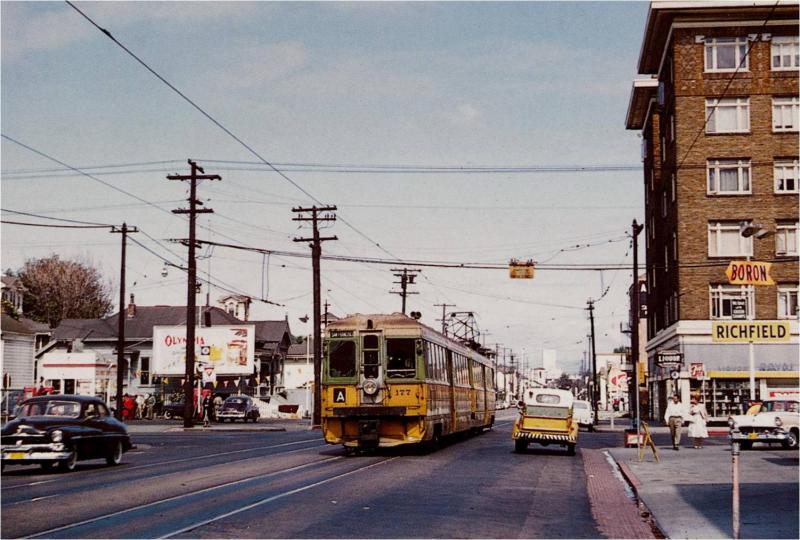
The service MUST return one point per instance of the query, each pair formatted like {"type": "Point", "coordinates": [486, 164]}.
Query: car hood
{"type": "Point", "coordinates": [766, 419]}
{"type": "Point", "coordinates": [40, 423]}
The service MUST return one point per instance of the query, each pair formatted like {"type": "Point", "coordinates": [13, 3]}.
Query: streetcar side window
{"type": "Point", "coordinates": [342, 359]}
{"type": "Point", "coordinates": [401, 358]}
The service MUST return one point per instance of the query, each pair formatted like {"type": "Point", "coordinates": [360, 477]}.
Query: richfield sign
{"type": "Point", "coordinates": [747, 331]}
{"type": "Point", "coordinates": [230, 349]}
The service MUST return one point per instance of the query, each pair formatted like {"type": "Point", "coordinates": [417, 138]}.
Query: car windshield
{"type": "Point", "coordinates": [235, 404]}
{"type": "Point", "coordinates": [779, 406]}
{"type": "Point", "coordinates": [69, 409]}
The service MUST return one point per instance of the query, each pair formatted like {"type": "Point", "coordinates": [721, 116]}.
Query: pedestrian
{"type": "Point", "coordinates": [217, 406]}
{"type": "Point", "coordinates": [674, 416]}
{"type": "Point", "coordinates": [149, 406]}
{"type": "Point", "coordinates": [698, 418]}
{"type": "Point", "coordinates": [139, 406]}
{"type": "Point", "coordinates": [208, 410]}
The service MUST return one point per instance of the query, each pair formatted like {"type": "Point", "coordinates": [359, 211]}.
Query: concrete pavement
{"type": "Point", "coordinates": [689, 492]}
{"type": "Point", "coordinates": [171, 426]}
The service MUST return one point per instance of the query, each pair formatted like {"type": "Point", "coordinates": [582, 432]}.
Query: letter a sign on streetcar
{"type": "Point", "coordinates": [749, 273]}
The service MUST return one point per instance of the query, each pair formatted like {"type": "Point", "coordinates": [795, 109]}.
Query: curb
{"type": "Point", "coordinates": [634, 483]}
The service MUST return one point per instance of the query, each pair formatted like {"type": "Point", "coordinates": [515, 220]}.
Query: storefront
{"type": "Point", "coordinates": [84, 373]}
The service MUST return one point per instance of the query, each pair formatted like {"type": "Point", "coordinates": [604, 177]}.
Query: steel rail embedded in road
{"type": "Point", "coordinates": [173, 461]}
{"type": "Point", "coordinates": [274, 497]}
{"type": "Point", "coordinates": [95, 519]}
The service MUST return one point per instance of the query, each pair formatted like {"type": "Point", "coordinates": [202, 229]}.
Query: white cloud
{"type": "Point", "coordinates": [28, 29]}
{"type": "Point", "coordinates": [464, 114]}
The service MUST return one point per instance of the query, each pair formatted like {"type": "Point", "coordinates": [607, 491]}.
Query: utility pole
{"type": "Point", "coordinates": [316, 252]}
{"type": "Point", "coordinates": [406, 276]}
{"type": "Point", "coordinates": [124, 230]}
{"type": "Point", "coordinates": [444, 316]}
{"type": "Point", "coordinates": [191, 287]}
{"type": "Point", "coordinates": [635, 230]}
{"type": "Point", "coordinates": [327, 305]}
{"type": "Point", "coordinates": [594, 362]}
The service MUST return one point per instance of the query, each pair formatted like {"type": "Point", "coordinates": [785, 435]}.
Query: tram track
{"type": "Point", "coordinates": [185, 512]}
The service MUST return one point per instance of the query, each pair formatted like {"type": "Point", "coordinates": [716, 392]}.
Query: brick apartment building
{"type": "Point", "coordinates": [718, 116]}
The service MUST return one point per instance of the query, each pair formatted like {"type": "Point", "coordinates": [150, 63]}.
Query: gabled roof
{"type": "Point", "coordinates": [22, 325]}
{"type": "Point", "coordinates": [271, 331]}
{"type": "Point", "coordinates": [138, 327]}
{"type": "Point", "coordinates": [300, 349]}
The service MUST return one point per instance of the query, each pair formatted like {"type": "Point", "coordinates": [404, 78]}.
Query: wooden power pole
{"type": "Point", "coordinates": [316, 251]}
{"type": "Point", "coordinates": [124, 230]}
{"type": "Point", "coordinates": [406, 276]}
{"type": "Point", "coordinates": [595, 389]}
{"type": "Point", "coordinates": [191, 288]}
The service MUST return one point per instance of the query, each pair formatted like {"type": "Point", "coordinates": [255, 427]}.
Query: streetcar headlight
{"type": "Point", "coordinates": [57, 436]}
{"type": "Point", "coordinates": [370, 386]}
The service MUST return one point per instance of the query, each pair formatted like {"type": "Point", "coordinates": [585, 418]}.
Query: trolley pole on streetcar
{"type": "Point", "coordinates": [316, 252]}
{"type": "Point", "coordinates": [406, 276]}
{"type": "Point", "coordinates": [124, 230]}
{"type": "Point", "coordinates": [191, 287]}
{"type": "Point", "coordinates": [594, 361]}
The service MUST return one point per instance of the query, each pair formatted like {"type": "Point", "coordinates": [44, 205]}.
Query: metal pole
{"type": "Point", "coordinates": [594, 363]}
{"type": "Point", "coordinates": [735, 502]}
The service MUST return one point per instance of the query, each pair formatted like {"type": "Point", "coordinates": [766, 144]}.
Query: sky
{"type": "Point", "coordinates": [361, 105]}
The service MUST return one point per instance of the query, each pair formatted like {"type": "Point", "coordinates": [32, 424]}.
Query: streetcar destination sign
{"type": "Point", "coordinates": [749, 273]}
{"type": "Point", "coordinates": [747, 331]}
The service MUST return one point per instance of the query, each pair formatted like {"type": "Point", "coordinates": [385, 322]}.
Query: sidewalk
{"type": "Point", "coordinates": [689, 492]}
{"type": "Point", "coordinates": [173, 426]}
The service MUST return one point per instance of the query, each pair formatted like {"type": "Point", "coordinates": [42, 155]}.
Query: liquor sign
{"type": "Point", "coordinates": [669, 358]}
{"type": "Point", "coordinates": [697, 370]}
{"type": "Point", "coordinates": [228, 349]}
{"type": "Point", "coordinates": [520, 269]}
{"type": "Point", "coordinates": [747, 331]}
{"type": "Point", "coordinates": [749, 273]}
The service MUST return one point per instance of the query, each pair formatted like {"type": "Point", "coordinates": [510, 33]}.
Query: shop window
{"type": "Point", "coordinates": [722, 296]}
{"type": "Point", "coordinates": [144, 371]}
{"type": "Point", "coordinates": [726, 54]}
{"type": "Point", "coordinates": [787, 302]}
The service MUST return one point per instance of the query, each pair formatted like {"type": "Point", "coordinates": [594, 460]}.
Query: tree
{"type": "Point", "coordinates": [59, 289]}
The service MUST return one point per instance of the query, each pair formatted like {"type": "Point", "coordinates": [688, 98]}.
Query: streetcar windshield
{"type": "Point", "coordinates": [342, 359]}
{"type": "Point", "coordinates": [401, 358]}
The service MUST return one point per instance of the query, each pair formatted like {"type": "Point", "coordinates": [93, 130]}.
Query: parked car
{"type": "Point", "coordinates": [582, 413]}
{"type": "Point", "coordinates": [777, 421]}
{"type": "Point", "coordinates": [61, 430]}
{"type": "Point", "coordinates": [172, 410]}
{"type": "Point", "coordinates": [239, 408]}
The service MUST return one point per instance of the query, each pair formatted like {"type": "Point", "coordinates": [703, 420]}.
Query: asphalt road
{"type": "Point", "coordinates": [291, 485]}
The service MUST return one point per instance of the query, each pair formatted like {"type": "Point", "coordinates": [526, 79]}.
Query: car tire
{"type": "Point", "coordinates": [520, 446]}
{"type": "Point", "coordinates": [167, 415]}
{"type": "Point", "coordinates": [114, 456]}
{"type": "Point", "coordinates": [570, 449]}
{"type": "Point", "coordinates": [48, 466]}
{"type": "Point", "coordinates": [746, 445]}
{"type": "Point", "coordinates": [68, 464]}
{"type": "Point", "coordinates": [791, 440]}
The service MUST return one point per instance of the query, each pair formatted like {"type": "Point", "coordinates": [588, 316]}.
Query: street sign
{"type": "Point", "coordinates": [669, 358]}
{"type": "Point", "coordinates": [697, 370]}
{"type": "Point", "coordinates": [747, 331]}
{"type": "Point", "coordinates": [209, 375]}
{"type": "Point", "coordinates": [749, 273]}
{"type": "Point", "coordinates": [675, 374]}
{"type": "Point", "coordinates": [520, 269]}
{"type": "Point", "coordinates": [739, 309]}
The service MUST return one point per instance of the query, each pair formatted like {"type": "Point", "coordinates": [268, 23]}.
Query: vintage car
{"type": "Point", "coordinates": [62, 429]}
{"type": "Point", "coordinates": [545, 417]}
{"type": "Point", "coordinates": [239, 408]}
{"type": "Point", "coordinates": [775, 422]}
{"type": "Point", "coordinates": [583, 414]}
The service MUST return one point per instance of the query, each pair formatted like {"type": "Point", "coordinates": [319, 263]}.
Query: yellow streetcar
{"type": "Point", "coordinates": [389, 380]}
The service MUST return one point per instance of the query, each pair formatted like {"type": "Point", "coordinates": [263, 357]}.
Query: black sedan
{"type": "Point", "coordinates": [239, 408]}
{"type": "Point", "coordinates": [62, 429]}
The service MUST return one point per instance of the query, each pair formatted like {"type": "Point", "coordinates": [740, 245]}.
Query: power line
{"type": "Point", "coordinates": [55, 218]}
{"type": "Point", "coordinates": [55, 226]}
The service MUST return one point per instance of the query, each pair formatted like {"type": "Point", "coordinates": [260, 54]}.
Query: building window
{"type": "Point", "coordinates": [786, 240]}
{"type": "Point", "coordinates": [728, 176]}
{"type": "Point", "coordinates": [721, 297]}
{"type": "Point", "coordinates": [728, 115]}
{"type": "Point", "coordinates": [785, 53]}
{"type": "Point", "coordinates": [787, 301]}
{"type": "Point", "coordinates": [726, 54]}
{"type": "Point", "coordinates": [144, 369]}
{"type": "Point", "coordinates": [786, 176]}
{"type": "Point", "coordinates": [664, 203]}
{"type": "Point", "coordinates": [674, 314]}
{"type": "Point", "coordinates": [785, 113]}
{"type": "Point", "coordinates": [724, 240]}
{"type": "Point", "coordinates": [666, 258]}
{"type": "Point", "coordinates": [675, 247]}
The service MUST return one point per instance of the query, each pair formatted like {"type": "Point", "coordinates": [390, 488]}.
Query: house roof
{"type": "Point", "coordinates": [300, 349]}
{"type": "Point", "coordinates": [11, 282]}
{"type": "Point", "coordinates": [141, 325]}
{"type": "Point", "coordinates": [22, 325]}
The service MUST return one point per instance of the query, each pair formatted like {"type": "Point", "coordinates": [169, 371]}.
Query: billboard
{"type": "Point", "coordinates": [229, 349]}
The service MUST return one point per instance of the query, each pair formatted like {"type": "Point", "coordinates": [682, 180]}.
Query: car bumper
{"type": "Point", "coordinates": [235, 416]}
{"type": "Point", "coordinates": [534, 436]}
{"type": "Point", "coordinates": [34, 453]}
{"type": "Point", "coordinates": [776, 435]}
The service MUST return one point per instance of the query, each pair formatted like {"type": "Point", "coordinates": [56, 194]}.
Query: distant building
{"type": "Point", "coordinates": [718, 111]}
{"type": "Point", "coordinates": [21, 338]}
{"type": "Point", "coordinates": [550, 364]}
{"type": "Point", "coordinates": [13, 292]}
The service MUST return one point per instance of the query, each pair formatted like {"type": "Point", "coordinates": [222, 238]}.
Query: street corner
{"type": "Point", "coordinates": [615, 509]}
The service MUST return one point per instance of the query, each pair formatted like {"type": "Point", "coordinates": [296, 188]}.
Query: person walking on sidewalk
{"type": "Point", "coordinates": [674, 416]}
{"type": "Point", "coordinates": [698, 418]}
{"type": "Point", "coordinates": [208, 410]}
